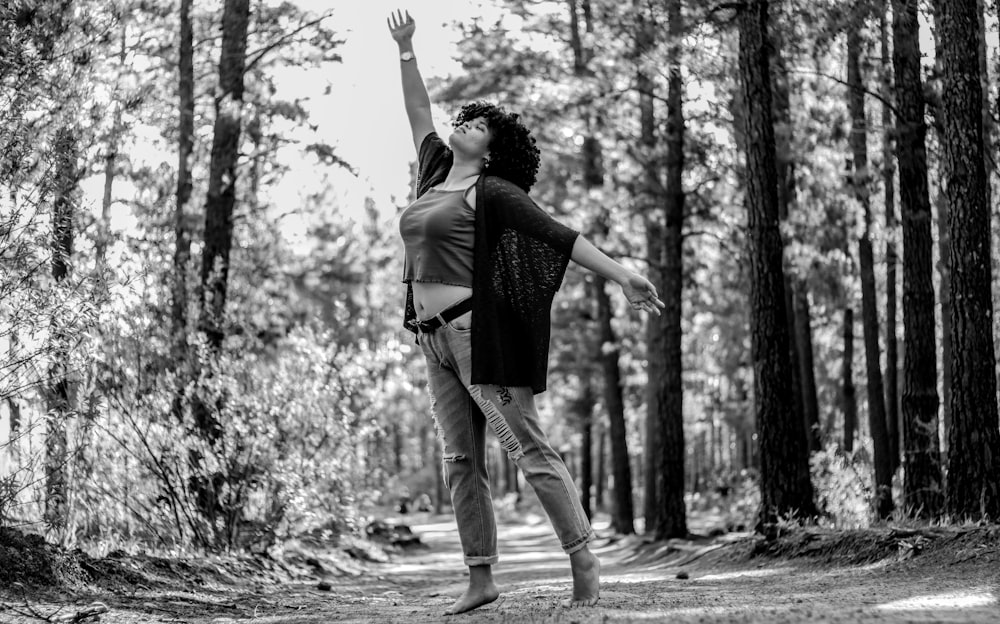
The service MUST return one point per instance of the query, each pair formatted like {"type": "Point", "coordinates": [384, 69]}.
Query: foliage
{"type": "Point", "coordinates": [844, 486]}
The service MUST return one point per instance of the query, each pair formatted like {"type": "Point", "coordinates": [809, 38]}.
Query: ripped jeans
{"type": "Point", "coordinates": [461, 412]}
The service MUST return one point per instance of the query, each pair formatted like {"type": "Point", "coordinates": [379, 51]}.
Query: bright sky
{"type": "Point", "coordinates": [364, 116]}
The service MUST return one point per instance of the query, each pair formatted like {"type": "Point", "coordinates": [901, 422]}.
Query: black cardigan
{"type": "Point", "coordinates": [520, 257]}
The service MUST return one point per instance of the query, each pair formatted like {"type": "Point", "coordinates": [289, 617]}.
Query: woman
{"type": "Point", "coordinates": [482, 265]}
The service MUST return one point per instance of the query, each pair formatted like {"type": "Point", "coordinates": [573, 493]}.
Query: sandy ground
{"type": "Point", "coordinates": [639, 585]}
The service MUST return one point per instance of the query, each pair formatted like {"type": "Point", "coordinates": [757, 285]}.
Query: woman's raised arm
{"type": "Point", "coordinates": [418, 104]}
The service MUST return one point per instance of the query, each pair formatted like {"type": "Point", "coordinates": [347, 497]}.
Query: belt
{"type": "Point", "coordinates": [439, 319]}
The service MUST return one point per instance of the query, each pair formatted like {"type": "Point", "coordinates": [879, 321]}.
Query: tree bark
{"type": "Point", "coordinates": [185, 130]}
{"type": "Point", "coordinates": [223, 171]}
{"type": "Point", "coordinates": [803, 380]}
{"type": "Point", "coordinates": [602, 438]}
{"type": "Point", "coordinates": [59, 393]}
{"type": "Point", "coordinates": [891, 326]}
{"type": "Point", "coordinates": [784, 164]}
{"type": "Point", "coordinates": [869, 302]}
{"type": "Point", "coordinates": [593, 178]}
{"type": "Point", "coordinates": [671, 516]}
{"type": "Point", "coordinates": [622, 516]}
{"type": "Point", "coordinates": [807, 362]}
{"type": "Point", "coordinates": [989, 125]}
{"type": "Point", "coordinates": [651, 197]}
{"type": "Point", "coordinates": [944, 272]}
{"type": "Point", "coordinates": [974, 435]}
{"type": "Point", "coordinates": [585, 411]}
{"type": "Point", "coordinates": [922, 483]}
{"type": "Point", "coordinates": [849, 395]}
{"type": "Point", "coordinates": [784, 479]}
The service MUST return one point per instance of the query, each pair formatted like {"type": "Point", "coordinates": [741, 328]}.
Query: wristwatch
{"type": "Point", "coordinates": [406, 56]}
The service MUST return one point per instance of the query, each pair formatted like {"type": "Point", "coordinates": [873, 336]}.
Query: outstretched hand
{"type": "Point", "coordinates": [641, 294]}
{"type": "Point", "coordinates": [401, 25]}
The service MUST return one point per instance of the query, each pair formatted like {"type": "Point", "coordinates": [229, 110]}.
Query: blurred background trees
{"type": "Point", "coordinates": [192, 357]}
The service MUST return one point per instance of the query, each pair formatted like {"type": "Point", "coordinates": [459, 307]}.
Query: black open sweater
{"type": "Point", "coordinates": [520, 257]}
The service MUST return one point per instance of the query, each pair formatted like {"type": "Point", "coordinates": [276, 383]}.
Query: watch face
{"type": "Point", "coordinates": [406, 56]}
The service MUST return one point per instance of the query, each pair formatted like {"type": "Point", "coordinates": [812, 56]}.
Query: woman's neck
{"type": "Point", "coordinates": [461, 172]}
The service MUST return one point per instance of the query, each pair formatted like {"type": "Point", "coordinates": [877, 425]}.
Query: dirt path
{"type": "Point", "coordinates": [638, 586]}
{"type": "Point", "coordinates": [534, 576]}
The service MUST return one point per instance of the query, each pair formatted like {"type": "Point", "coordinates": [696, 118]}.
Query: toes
{"type": "Point", "coordinates": [587, 602]}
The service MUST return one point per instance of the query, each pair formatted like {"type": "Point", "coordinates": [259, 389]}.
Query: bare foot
{"type": "Point", "coordinates": [586, 579]}
{"type": "Point", "coordinates": [473, 598]}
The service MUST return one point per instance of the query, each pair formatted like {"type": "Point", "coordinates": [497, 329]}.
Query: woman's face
{"type": "Point", "coordinates": [472, 138]}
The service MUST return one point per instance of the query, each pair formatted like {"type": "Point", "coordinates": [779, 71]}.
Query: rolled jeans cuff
{"type": "Point", "coordinates": [481, 561]}
{"type": "Point", "coordinates": [576, 545]}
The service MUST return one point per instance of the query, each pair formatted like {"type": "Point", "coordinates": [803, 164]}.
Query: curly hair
{"type": "Point", "coordinates": [513, 155]}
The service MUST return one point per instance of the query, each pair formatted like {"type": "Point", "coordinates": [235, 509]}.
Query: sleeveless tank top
{"type": "Point", "coordinates": [438, 231]}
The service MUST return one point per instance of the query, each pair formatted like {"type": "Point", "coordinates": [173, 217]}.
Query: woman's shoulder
{"type": "Point", "coordinates": [502, 187]}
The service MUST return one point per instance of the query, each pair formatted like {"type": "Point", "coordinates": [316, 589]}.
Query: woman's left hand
{"type": "Point", "coordinates": [641, 294]}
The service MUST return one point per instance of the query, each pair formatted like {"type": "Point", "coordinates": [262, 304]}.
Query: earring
{"type": "Point", "coordinates": [486, 162]}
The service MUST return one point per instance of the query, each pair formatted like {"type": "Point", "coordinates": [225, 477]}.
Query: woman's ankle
{"type": "Point", "coordinates": [481, 575]}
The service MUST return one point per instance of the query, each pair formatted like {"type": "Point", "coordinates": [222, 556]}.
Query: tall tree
{"type": "Point", "coordinates": [623, 513]}
{"type": "Point", "coordinates": [670, 517]}
{"type": "Point", "coordinates": [869, 304]}
{"type": "Point", "coordinates": [922, 483]}
{"type": "Point", "coordinates": [802, 383]}
{"type": "Point", "coordinates": [65, 150]}
{"type": "Point", "coordinates": [593, 178]}
{"type": "Point", "coordinates": [784, 478]}
{"type": "Point", "coordinates": [974, 434]}
{"type": "Point", "coordinates": [651, 197]}
{"type": "Point", "coordinates": [185, 143]}
{"type": "Point", "coordinates": [889, 202]}
{"type": "Point", "coordinates": [223, 170]}
{"type": "Point", "coordinates": [943, 268]}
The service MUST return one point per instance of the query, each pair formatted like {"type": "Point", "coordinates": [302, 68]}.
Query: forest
{"type": "Point", "coordinates": [202, 347]}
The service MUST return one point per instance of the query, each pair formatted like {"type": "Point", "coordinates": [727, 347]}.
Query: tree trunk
{"type": "Point", "coordinates": [110, 158]}
{"type": "Point", "coordinates": [891, 328]}
{"type": "Point", "coordinates": [602, 463]}
{"type": "Point", "coordinates": [671, 514]}
{"type": "Point", "coordinates": [989, 125]}
{"type": "Point", "coordinates": [802, 382]}
{"type": "Point", "coordinates": [849, 396]}
{"type": "Point", "coordinates": [182, 236]}
{"type": "Point", "coordinates": [785, 167]}
{"type": "Point", "coordinates": [784, 478]}
{"type": "Point", "coordinates": [974, 435]}
{"type": "Point", "coordinates": [655, 339]}
{"type": "Point", "coordinates": [185, 130]}
{"type": "Point", "coordinates": [803, 341]}
{"type": "Point", "coordinates": [922, 483]}
{"type": "Point", "coordinates": [223, 171]}
{"type": "Point", "coordinates": [593, 178]}
{"type": "Point", "coordinates": [586, 452]}
{"type": "Point", "coordinates": [59, 394]}
{"type": "Point", "coordinates": [622, 517]}
{"type": "Point", "coordinates": [944, 296]}
{"type": "Point", "coordinates": [944, 272]}
{"type": "Point", "coordinates": [869, 299]}
{"type": "Point", "coordinates": [13, 399]}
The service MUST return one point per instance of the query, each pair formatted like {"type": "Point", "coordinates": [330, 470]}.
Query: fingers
{"type": "Point", "coordinates": [398, 19]}
{"type": "Point", "coordinates": [649, 303]}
